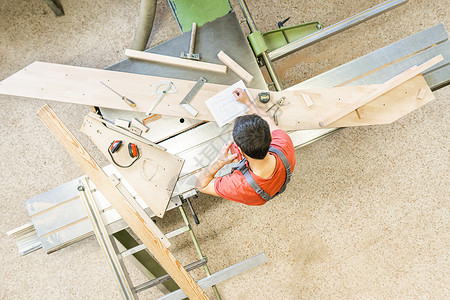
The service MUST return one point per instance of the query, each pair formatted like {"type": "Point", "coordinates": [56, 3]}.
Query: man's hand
{"type": "Point", "coordinates": [224, 157]}
{"type": "Point", "coordinates": [205, 180]}
{"type": "Point", "coordinates": [241, 96]}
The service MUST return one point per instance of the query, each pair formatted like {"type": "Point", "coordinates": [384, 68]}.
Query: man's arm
{"type": "Point", "coordinates": [205, 181]}
{"type": "Point", "coordinates": [242, 96]}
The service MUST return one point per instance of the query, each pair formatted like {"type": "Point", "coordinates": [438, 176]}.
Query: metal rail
{"type": "Point", "coordinates": [117, 268]}
{"type": "Point", "coordinates": [264, 55]}
{"type": "Point", "coordinates": [334, 29]}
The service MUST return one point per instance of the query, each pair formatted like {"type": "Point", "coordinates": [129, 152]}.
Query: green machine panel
{"type": "Point", "coordinates": [202, 11]}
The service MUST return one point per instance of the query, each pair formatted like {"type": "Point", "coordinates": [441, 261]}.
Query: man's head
{"type": "Point", "coordinates": [252, 134]}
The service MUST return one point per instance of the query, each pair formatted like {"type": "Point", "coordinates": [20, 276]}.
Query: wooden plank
{"type": "Point", "coordinates": [175, 61]}
{"type": "Point", "coordinates": [161, 166]}
{"type": "Point", "coordinates": [240, 71]}
{"type": "Point", "coordinates": [81, 85]}
{"type": "Point", "coordinates": [389, 85]}
{"type": "Point", "coordinates": [96, 174]}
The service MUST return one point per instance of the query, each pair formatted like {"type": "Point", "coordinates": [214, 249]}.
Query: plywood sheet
{"type": "Point", "coordinates": [82, 85]}
{"type": "Point", "coordinates": [154, 174]}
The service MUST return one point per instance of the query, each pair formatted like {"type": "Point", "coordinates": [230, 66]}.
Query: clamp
{"type": "Point", "coordinates": [278, 104]}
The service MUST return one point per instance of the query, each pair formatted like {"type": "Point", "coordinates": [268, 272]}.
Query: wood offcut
{"type": "Point", "coordinates": [240, 71]}
{"type": "Point", "coordinates": [176, 61]}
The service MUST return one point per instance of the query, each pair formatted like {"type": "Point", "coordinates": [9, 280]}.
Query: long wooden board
{"type": "Point", "coordinates": [165, 167]}
{"type": "Point", "coordinates": [82, 85]}
{"type": "Point", "coordinates": [176, 61]}
{"type": "Point", "coordinates": [387, 86]}
{"type": "Point", "coordinates": [100, 179]}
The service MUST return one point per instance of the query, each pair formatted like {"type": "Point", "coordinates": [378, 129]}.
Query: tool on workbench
{"type": "Point", "coordinates": [191, 54]}
{"type": "Point", "coordinates": [191, 208]}
{"type": "Point", "coordinates": [127, 100]}
{"type": "Point", "coordinates": [264, 97]}
{"type": "Point", "coordinates": [191, 94]}
{"type": "Point", "coordinates": [133, 151]}
{"type": "Point", "coordinates": [168, 90]}
{"type": "Point", "coordinates": [278, 104]}
{"type": "Point", "coordinates": [128, 133]}
{"type": "Point", "coordinates": [280, 25]}
{"type": "Point", "coordinates": [137, 127]}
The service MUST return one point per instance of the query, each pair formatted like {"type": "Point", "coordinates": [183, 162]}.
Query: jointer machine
{"type": "Point", "coordinates": [186, 141]}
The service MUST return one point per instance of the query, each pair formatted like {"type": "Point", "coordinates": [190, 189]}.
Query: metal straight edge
{"type": "Point", "coordinates": [104, 241]}
{"type": "Point", "coordinates": [46, 201]}
{"type": "Point", "coordinates": [166, 277]}
{"type": "Point", "coordinates": [191, 94]}
{"type": "Point", "coordinates": [416, 59]}
{"type": "Point", "coordinates": [24, 228]}
{"type": "Point", "coordinates": [334, 29]}
{"type": "Point", "coordinates": [222, 275]}
{"type": "Point", "coordinates": [26, 239]}
{"type": "Point", "coordinates": [195, 89]}
{"type": "Point", "coordinates": [438, 78]}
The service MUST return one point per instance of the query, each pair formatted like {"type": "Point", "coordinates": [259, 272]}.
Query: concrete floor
{"type": "Point", "coordinates": [366, 216]}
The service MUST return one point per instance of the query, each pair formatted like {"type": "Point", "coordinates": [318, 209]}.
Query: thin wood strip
{"type": "Point", "coordinates": [100, 179]}
{"type": "Point", "coordinates": [360, 113]}
{"type": "Point", "coordinates": [179, 62]}
{"type": "Point", "coordinates": [421, 94]}
{"type": "Point", "coordinates": [307, 99]}
{"type": "Point", "coordinates": [240, 71]}
{"type": "Point", "coordinates": [387, 86]}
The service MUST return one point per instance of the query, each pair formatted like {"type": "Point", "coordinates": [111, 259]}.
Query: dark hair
{"type": "Point", "coordinates": [252, 134]}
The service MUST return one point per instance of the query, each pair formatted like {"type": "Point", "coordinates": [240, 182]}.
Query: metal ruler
{"type": "Point", "coordinates": [185, 103]}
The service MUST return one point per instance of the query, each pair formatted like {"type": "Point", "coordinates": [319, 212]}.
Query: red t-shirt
{"type": "Point", "coordinates": [236, 188]}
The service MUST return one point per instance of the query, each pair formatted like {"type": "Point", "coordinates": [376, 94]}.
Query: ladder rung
{"type": "Point", "coordinates": [164, 278]}
{"type": "Point", "coordinates": [177, 232]}
{"type": "Point", "coordinates": [132, 251]}
{"type": "Point", "coordinates": [142, 246]}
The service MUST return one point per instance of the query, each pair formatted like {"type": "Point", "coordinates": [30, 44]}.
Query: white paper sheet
{"type": "Point", "coordinates": [224, 107]}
